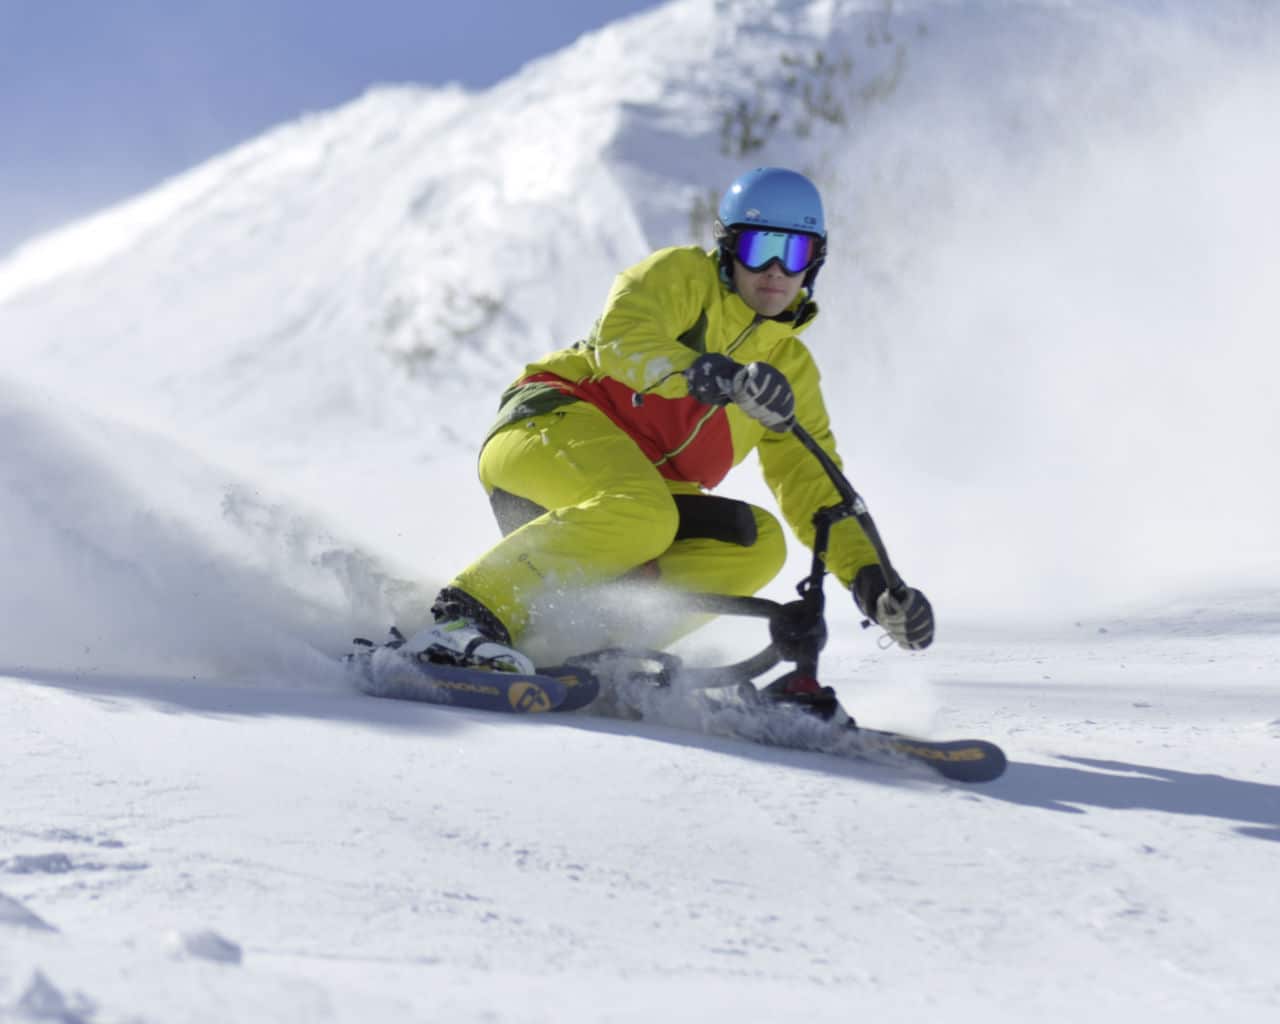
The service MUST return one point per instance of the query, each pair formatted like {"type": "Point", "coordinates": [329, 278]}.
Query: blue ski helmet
{"type": "Point", "coordinates": [770, 198]}
{"type": "Point", "coordinates": [773, 197]}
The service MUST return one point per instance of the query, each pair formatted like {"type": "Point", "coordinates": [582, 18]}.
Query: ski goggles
{"type": "Point", "coordinates": [755, 249]}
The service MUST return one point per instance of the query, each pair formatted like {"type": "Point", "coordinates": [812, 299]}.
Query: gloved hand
{"type": "Point", "coordinates": [758, 389]}
{"type": "Point", "coordinates": [710, 378]}
{"type": "Point", "coordinates": [765, 395]}
{"type": "Point", "coordinates": [908, 620]}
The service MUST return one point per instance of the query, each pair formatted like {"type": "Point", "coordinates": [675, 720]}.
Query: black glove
{"type": "Point", "coordinates": [758, 389]}
{"type": "Point", "coordinates": [908, 619]}
{"type": "Point", "coordinates": [710, 378]}
{"type": "Point", "coordinates": [765, 395]}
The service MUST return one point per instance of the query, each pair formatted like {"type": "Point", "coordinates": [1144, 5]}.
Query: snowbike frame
{"type": "Point", "coordinates": [797, 629]}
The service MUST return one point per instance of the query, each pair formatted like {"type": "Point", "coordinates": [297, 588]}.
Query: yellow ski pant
{"type": "Point", "coordinates": [608, 512]}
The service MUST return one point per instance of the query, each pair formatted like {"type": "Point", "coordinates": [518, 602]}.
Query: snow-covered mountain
{"type": "Point", "coordinates": [374, 275]}
{"type": "Point", "coordinates": [238, 417]}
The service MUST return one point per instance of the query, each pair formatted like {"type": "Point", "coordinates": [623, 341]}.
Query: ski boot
{"type": "Point", "coordinates": [461, 642]}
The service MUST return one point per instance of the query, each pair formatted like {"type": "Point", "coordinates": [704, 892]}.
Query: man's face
{"type": "Point", "coordinates": [769, 291]}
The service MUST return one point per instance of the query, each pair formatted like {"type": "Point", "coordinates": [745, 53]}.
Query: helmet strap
{"type": "Point", "coordinates": [801, 314]}
{"type": "Point", "coordinates": [724, 243]}
{"type": "Point", "coordinates": [726, 267]}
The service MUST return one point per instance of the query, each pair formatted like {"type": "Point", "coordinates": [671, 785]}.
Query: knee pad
{"type": "Point", "coordinates": [714, 518]}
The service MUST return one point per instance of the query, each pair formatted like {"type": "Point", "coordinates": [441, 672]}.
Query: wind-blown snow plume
{"type": "Point", "coordinates": [125, 552]}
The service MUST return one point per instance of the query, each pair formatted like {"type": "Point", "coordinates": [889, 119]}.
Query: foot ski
{"type": "Point", "coordinates": [387, 672]}
{"type": "Point", "coordinates": [796, 728]}
{"type": "Point", "coordinates": [958, 760]}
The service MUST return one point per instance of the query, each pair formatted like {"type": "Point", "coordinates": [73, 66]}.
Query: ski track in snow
{"type": "Point", "coordinates": [225, 448]}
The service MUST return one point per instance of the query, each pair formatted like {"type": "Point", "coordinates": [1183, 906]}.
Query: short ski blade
{"type": "Point", "coordinates": [792, 727]}
{"type": "Point", "coordinates": [958, 760]}
{"type": "Point", "coordinates": [385, 672]}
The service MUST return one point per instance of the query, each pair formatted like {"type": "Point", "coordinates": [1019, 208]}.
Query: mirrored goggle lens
{"type": "Point", "coordinates": [755, 250]}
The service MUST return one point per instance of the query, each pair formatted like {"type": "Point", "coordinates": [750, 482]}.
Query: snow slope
{"type": "Point", "coordinates": [237, 426]}
{"type": "Point", "coordinates": [380, 861]}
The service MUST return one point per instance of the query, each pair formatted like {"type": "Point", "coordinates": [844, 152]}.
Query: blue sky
{"type": "Point", "coordinates": [100, 99]}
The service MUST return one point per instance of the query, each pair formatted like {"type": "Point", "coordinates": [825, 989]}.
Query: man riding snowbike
{"type": "Point", "coordinates": [600, 461]}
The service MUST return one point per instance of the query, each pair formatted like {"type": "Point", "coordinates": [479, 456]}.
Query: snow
{"type": "Point", "coordinates": [238, 422]}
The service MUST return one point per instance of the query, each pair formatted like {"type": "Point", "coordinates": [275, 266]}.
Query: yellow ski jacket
{"type": "Point", "coordinates": [660, 315]}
